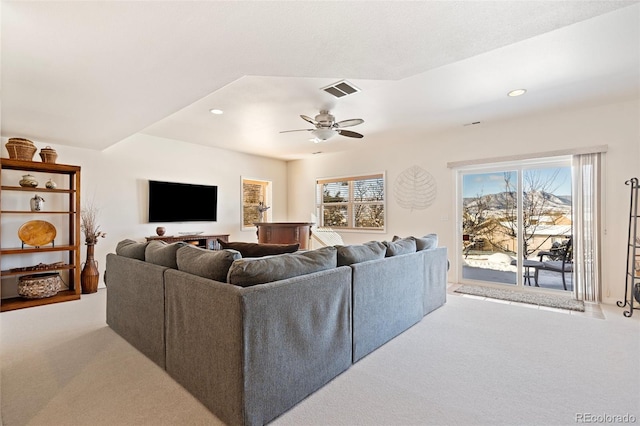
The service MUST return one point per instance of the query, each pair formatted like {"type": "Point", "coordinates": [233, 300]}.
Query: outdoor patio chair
{"type": "Point", "coordinates": [556, 252]}
{"type": "Point", "coordinates": [564, 264]}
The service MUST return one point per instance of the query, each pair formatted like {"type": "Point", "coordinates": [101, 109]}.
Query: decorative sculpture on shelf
{"type": "Point", "coordinates": [261, 210]}
{"type": "Point", "coordinates": [36, 203]}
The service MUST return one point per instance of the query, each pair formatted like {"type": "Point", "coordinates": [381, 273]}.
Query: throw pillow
{"type": "Point", "coordinates": [248, 272]}
{"type": "Point", "coordinates": [259, 250]}
{"type": "Point", "coordinates": [212, 264]}
{"type": "Point", "coordinates": [401, 246]}
{"type": "Point", "coordinates": [131, 249]}
{"type": "Point", "coordinates": [372, 250]}
{"type": "Point", "coordinates": [163, 254]}
{"type": "Point", "coordinates": [427, 242]}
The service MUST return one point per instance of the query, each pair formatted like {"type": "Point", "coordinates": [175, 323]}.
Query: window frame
{"type": "Point", "coordinates": [351, 203]}
{"type": "Point", "coordinates": [520, 167]}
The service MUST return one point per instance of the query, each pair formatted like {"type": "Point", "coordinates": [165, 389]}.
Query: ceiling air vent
{"type": "Point", "coordinates": [340, 89]}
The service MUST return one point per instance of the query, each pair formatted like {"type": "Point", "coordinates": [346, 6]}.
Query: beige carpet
{"type": "Point", "coordinates": [470, 362]}
{"type": "Point", "coordinates": [62, 365]}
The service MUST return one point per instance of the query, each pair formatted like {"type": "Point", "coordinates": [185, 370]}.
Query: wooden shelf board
{"type": "Point", "coordinates": [19, 250]}
{"type": "Point", "coordinates": [37, 166]}
{"type": "Point", "coordinates": [32, 212]}
{"type": "Point", "coordinates": [7, 273]}
{"type": "Point", "coordinates": [36, 189]}
{"type": "Point", "coordinates": [20, 303]}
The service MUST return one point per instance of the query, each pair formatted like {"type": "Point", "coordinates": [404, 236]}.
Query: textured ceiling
{"type": "Point", "coordinates": [90, 74]}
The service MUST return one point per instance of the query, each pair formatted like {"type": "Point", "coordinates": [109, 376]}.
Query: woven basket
{"type": "Point", "coordinates": [21, 149]}
{"type": "Point", "coordinates": [48, 155]}
{"type": "Point", "coordinates": [39, 286]}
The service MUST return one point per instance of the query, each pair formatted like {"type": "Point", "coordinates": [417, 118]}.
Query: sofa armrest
{"type": "Point", "coordinates": [435, 278]}
{"type": "Point", "coordinates": [387, 299]}
{"type": "Point", "coordinates": [135, 304]}
{"type": "Point", "coordinates": [297, 338]}
{"type": "Point", "coordinates": [249, 354]}
{"type": "Point", "coordinates": [204, 341]}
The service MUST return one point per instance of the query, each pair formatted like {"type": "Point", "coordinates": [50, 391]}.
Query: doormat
{"type": "Point", "coordinates": [549, 300]}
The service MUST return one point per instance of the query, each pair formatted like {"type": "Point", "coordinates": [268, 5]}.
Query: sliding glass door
{"type": "Point", "coordinates": [516, 220]}
{"type": "Point", "coordinates": [489, 211]}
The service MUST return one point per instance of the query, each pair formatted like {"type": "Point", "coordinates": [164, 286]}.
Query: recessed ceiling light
{"type": "Point", "coordinates": [517, 92]}
{"type": "Point", "coordinates": [216, 111]}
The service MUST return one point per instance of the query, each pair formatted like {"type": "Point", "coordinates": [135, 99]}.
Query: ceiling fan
{"type": "Point", "coordinates": [326, 127]}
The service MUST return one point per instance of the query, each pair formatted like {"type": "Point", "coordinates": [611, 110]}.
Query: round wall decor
{"type": "Point", "coordinates": [415, 188]}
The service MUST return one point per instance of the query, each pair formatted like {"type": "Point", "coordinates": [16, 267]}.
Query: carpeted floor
{"type": "Point", "coordinates": [540, 299]}
{"type": "Point", "coordinates": [471, 362]}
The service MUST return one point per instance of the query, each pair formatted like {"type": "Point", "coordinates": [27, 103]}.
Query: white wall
{"type": "Point", "coordinates": [616, 125]}
{"type": "Point", "coordinates": [115, 180]}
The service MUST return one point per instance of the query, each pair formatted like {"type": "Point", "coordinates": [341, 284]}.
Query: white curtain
{"type": "Point", "coordinates": [586, 226]}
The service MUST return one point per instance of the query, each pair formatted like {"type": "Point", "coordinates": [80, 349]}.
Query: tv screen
{"type": "Point", "coordinates": [182, 202]}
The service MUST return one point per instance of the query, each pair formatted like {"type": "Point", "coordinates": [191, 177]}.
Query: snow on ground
{"type": "Point", "coordinates": [496, 262]}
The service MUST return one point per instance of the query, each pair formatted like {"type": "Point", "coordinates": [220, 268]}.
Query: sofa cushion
{"type": "Point", "coordinates": [161, 253]}
{"type": "Point", "coordinates": [131, 249]}
{"type": "Point", "coordinates": [248, 272]}
{"type": "Point", "coordinates": [372, 250]}
{"type": "Point", "coordinates": [212, 264]}
{"type": "Point", "coordinates": [259, 250]}
{"type": "Point", "coordinates": [427, 242]}
{"type": "Point", "coordinates": [401, 246]}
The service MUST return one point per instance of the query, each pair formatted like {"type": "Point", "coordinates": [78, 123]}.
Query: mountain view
{"type": "Point", "coordinates": [495, 204]}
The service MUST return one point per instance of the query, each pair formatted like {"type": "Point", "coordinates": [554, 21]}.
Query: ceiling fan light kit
{"type": "Point", "coordinates": [326, 127]}
{"type": "Point", "coordinates": [323, 134]}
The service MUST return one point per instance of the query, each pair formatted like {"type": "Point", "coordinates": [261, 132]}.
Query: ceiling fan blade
{"type": "Point", "coordinates": [349, 133]}
{"type": "Point", "coordinates": [349, 123]}
{"type": "Point", "coordinates": [299, 130]}
{"type": "Point", "coordinates": [309, 119]}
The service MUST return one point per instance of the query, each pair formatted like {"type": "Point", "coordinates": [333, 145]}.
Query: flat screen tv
{"type": "Point", "coordinates": [182, 202]}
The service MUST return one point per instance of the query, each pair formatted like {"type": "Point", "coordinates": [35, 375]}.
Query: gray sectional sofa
{"type": "Point", "coordinates": [278, 328]}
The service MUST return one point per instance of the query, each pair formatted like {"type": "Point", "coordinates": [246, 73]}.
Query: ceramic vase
{"type": "Point", "coordinates": [36, 203]}
{"type": "Point", "coordinates": [160, 231]}
{"type": "Point", "coordinates": [28, 181]}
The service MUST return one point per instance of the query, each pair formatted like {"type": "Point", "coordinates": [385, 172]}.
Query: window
{"type": "Point", "coordinates": [256, 202]}
{"type": "Point", "coordinates": [355, 202]}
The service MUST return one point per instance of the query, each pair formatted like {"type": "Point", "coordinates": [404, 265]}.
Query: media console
{"type": "Point", "coordinates": [205, 241]}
